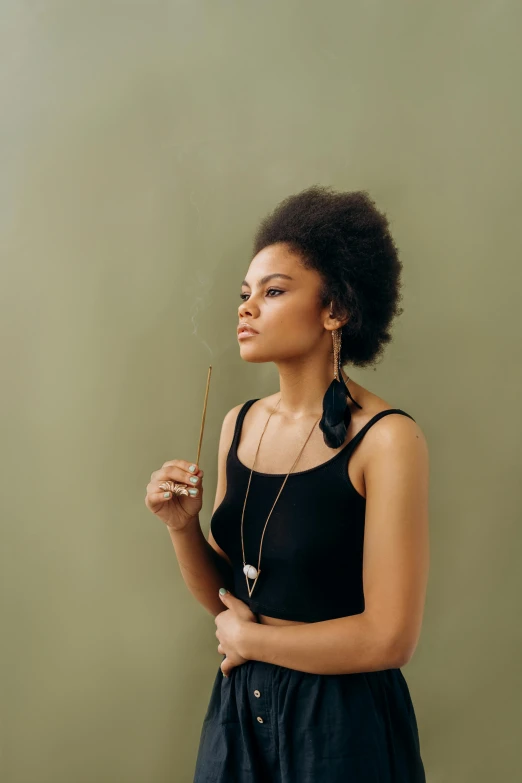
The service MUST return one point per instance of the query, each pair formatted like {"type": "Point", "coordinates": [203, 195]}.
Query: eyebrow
{"type": "Point", "coordinates": [266, 278]}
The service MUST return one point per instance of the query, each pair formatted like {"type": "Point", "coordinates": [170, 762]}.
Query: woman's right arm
{"type": "Point", "coordinates": [204, 566]}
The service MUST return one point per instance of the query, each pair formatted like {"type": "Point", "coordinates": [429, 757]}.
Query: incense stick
{"type": "Point", "coordinates": [204, 412]}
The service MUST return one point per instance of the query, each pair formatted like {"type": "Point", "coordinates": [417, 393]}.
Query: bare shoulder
{"type": "Point", "coordinates": [230, 418]}
{"type": "Point", "coordinates": [394, 430]}
{"type": "Point", "coordinates": [395, 426]}
{"type": "Point", "coordinates": [267, 403]}
{"type": "Point", "coordinates": [257, 412]}
{"type": "Point", "coordinates": [394, 436]}
{"type": "Point", "coordinates": [227, 431]}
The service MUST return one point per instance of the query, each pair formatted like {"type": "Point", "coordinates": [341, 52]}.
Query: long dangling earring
{"type": "Point", "coordinates": [336, 410]}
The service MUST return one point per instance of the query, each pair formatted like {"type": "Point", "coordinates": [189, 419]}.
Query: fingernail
{"type": "Point", "coordinates": [192, 468]}
{"type": "Point", "coordinates": [193, 491]}
{"type": "Point", "coordinates": [223, 590]}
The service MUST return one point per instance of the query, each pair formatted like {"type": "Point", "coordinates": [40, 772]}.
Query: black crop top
{"type": "Point", "coordinates": [312, 556]}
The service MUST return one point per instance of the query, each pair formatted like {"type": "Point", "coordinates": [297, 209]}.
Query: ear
{"type": "Point", "coordinates": [335, 318]}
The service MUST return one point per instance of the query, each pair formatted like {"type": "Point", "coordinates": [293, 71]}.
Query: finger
{"type": "Point", "coordinates": [157, 498]}
{"type": "Point", "coordinates": [182, 464]}
{"type": "Point", "coordinates": [225, 670]}
{"type": "Point", "coordinates": [178, 474]}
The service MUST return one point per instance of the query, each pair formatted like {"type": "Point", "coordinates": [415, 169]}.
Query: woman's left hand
{"type": "Point", "coordinates": [230, 631]}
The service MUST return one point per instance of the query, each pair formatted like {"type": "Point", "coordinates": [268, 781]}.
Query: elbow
{"type": "Point", "coordinates": [398, 659]}
{"type": "Point", "coordinates": [399, 651]}
{"type": "Point", "coordinates": [394, 645]}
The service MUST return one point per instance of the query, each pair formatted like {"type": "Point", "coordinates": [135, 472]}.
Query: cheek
{"type": "Point", "coordinates": [294, 339]}
{"type": "Point", "coordinates": [291, 328]}
{"type": "Point", "coordinates": [296, 317]}
{"type": "Point", "coordinates": [301, 327]}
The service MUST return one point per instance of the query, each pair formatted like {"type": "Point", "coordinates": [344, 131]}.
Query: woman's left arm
{"type": "Point", "coordinates": [395, 571]}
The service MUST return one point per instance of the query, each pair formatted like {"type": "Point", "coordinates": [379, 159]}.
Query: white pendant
{"type": "Point", "coordinates": [250, 571]}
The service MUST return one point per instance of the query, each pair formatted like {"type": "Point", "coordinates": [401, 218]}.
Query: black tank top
{"type": "Point", "coordinates": [312, 556]}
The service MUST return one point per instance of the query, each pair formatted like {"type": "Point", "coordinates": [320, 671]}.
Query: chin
{"type": "Point", "coordinates": [253, 356]}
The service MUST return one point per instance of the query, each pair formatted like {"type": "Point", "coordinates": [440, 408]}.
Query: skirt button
{"type": "Point", "coordinates": [256, 693]}
{"type": "Point", "coordinates": [260, 719]}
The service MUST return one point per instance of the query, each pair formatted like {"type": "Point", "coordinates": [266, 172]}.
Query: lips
{"type": "Point", "coordinates": [245, 329]}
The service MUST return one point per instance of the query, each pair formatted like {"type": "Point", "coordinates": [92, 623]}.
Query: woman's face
{"type": "Point", "coordinates": [284, 310]}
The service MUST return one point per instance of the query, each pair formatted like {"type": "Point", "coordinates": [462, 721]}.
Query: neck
{"type": "Point", "coordinates": [302, 390]}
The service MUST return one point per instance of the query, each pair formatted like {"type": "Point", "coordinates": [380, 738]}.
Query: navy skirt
{"type": "Point", "coordinates": [270, 724]}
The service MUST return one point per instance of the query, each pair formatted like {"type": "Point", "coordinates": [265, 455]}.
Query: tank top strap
{"type": "Point", "coordinates": [362, 432]}
{"type": "Point", "coordinates": [239, 424]}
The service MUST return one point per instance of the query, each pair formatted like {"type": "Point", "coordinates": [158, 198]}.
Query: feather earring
{"type": "Point", "coordinates": [336, 410]}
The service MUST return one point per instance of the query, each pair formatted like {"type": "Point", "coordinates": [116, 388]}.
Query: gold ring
{"type": "Point", "coordinates": [176, 489]}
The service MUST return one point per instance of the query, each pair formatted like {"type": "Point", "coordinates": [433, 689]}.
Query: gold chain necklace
{"type": "Point", "coordinates": [249, 571]}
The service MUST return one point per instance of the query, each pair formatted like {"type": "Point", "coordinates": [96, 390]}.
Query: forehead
{"type": "Point", "coordinates": [275, 262]}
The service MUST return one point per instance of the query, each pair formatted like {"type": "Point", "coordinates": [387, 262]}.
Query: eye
{"type": "Point", "coordinates": [242, 296]}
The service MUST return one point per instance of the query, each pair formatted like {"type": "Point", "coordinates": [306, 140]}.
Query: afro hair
{"type": "Point", "coordinates": [344, 237]}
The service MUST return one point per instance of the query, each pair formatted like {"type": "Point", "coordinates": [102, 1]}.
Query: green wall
{"type": "Point", "coordinates": [141, 143]}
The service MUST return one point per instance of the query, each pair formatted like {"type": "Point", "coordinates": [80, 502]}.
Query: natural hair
{"type": "Point", "coordinates": [344, 237]}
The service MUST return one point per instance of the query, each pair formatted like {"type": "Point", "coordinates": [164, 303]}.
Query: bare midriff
{"type": "Point", "coordinates": [265, 620]}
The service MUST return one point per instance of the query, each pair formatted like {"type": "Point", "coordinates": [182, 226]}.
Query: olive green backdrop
{"type": "Point", "coordinates": [141, 143]}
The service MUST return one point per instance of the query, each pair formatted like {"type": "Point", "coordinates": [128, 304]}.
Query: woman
{"type": "Point", "coordinates": [326, 566]}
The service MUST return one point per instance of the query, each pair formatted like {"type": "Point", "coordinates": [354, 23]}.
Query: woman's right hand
{"type": "Point", "coordinates": [175, 511]}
